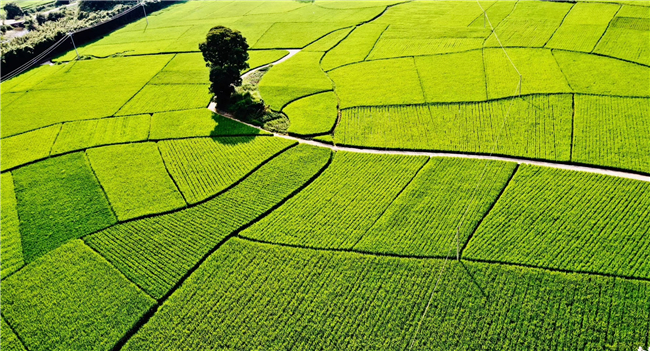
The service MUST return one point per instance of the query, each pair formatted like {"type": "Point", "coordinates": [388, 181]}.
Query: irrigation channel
{"type": "Point", "coordinates": [622, 174]}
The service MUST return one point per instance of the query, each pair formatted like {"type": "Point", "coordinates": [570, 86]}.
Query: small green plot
{"type": "Point", "coordinates": [299, 76]}
{"type": "Point", "coordinates": [196, 123]}
{"type": "Point", "coordinates": [58, 199]}
{"type": "Point", "coordinates": [10, 341]}
{"type": "Point", "coordinates": [162, 98]}
{"type": "Point", "coordinates": [583, 27]}
{"type": "Point", "coordinates": [71, 299]}
{"type": "Point", "coordinates": [135, 179]}
{"type": "Point", "coordinates": [327, 42]}
{"type": "Point", "coordinates": [355, 47]}
{"type": "Point", "coordinates": [453, 77]}
{"type": "Point", "coordinates": [381, 82]}
{"type": "Point", "coordinates": [81, 135]}
{"type": "Point", "coordinates": [11, 249]}
{"type": "Point", "coordinates": [24, 148]}
{"type": "Point", "coordinates": [204, 166]}
{"type": "Point", "coordinates": [314, 114]}
{"type": "Point", "coordinates": [292, 35]}
{"type": "Point", "coordinates": [259, 58]}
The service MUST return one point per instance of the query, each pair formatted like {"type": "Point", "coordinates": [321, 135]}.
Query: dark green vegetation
{"type": "Point", "coordinates": [133, 218]}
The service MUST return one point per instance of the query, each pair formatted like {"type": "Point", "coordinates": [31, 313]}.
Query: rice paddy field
{"type": "Point", "coordinates": [455, 175]}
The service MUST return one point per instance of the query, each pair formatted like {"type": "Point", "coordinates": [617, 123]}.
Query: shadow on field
{"type": "Point", "coordinates": [229, 132]}
{"type": "Point", "coordinates": [476, 283]}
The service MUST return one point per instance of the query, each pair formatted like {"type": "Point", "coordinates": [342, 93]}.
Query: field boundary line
{"type": "Point", "coordinates": [563, 74]}
{"type": "Point", "coordinates": [573, 126]}
{"type": "Point", "coordinates": [142, 321]}
{"type": "Point", "coordinates": [620, 6]}
{"type": "Point", "coordinates": [14, 330]}
{"type": "Point", "coordinates": [376, 41]}
{"type": "Point", "coordinates": [162, 158]}
{"type": "Point", "coordinates": [487, 213]}
{"type": "Point", "coordinates": [573, 5]}
{"type": "Point", "coordinates": [101, 186]}
{"type": "Point", "coordinates": [415, 175]}
{"type": "Point", "coordinates": [417, 71]}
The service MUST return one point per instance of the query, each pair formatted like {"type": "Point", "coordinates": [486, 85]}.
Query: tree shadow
{"type": "Point", "coordinates": [230, 132]}
{"type": "Point", "coordinates": [476, 283]}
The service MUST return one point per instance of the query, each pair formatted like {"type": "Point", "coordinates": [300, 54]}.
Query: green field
{"type": "Point", "coordinates": [448, 175]}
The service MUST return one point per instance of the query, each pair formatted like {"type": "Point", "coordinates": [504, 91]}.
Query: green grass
{"type": "Point", "coordinates": [202, 167]}
{"type": "Point", "coordinates": [184, 69]}
{"type": "Point", "coordinates": [453, 77]}
{"type": "Point", "coordinates": [535, 126]}
{"type": "Point", "coordinates": [24, 148]}
{"type": "Point", "coordinates": [591, 74]}
{"type": "Point", "coordinates": [195, 123]}
{"type": "Point", "coordinates": [81, 135]}
{"type": "Point", "coordinates": [256, 296]}
{"type": "Point", "coordinates": [9, 341]}
{"type": "Point", "coordinates": [330, 40]}
{"type": "Point", "coordinates": [297, 77]}
{"type": "Point", "coordinates": [355, 47]}
{"type": "Point", "coordinates": [339, 207]}
{"type": "Point", "coordinates": [156, 252]}
{"type": "Point", "coordinates": [540, 73]}
{"type": "Point", "coordinates": [29, 79]}
{"type": "Point", "coordinates": [135, 179]}
{"type": "Point", "coordinates": [58, 199]}
{"type": "Point", "coordinates": [531, 24]}
{"type": "Point", "coordinates": [81, 90]}
{"type": "Point", "coordinates": [72, 299]}
{"type": "Point", "coordinates": [447, 195]}
{"type": "Point", "coordinates": [163, 98]}
{"type": "Point", "coordinates": [612, 132]}
{"type": "Point", "coordinates": [314, 114]}
{"type": "Point", "coordinates": [11, 249]}
{"type": "Point", "coordinates": [627, 38]}
{"type": "Point", "coordinates": [568, 220]}
{"type": "Point", "coordinates": [583, 27]}
{"type": "Point", "coordinates": [364, 84]}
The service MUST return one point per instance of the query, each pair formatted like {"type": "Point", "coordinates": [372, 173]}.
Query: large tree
{"type": "Point", "coordinates": [225, 51]}
{"type": "Point", "coordinates": [13, 10]}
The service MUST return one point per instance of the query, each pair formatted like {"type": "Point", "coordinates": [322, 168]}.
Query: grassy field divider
{"type": "Point", "coordinates": [488, 211]}
{"type": "Point", "coordinates": [120, 344]}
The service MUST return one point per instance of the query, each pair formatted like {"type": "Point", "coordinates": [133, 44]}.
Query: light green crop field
{"type": "Point", "coordinates": [435, 175]}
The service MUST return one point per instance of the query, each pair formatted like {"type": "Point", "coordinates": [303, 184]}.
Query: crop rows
{"type": "Point", "coordinates": [58, 199]}
{"type": "Point", "coordinates": [10, 341]}
{"type": "Point", "coordinates": [197, 122]}
{"type": "Point", "coordinates": [24, 148]}
{"type": "Point", "coordinates": [71, 299]}
{"type": "Point", "coordinates": [11, 250]}
{"type": "Point", "coordinates": [448, 197]}
{"type": "Point", "coordinates": [536, 126]}
{"type": "Point", "coordinates": [156, 252]}
{"type": "Point", "coordinates": [202, 167]}
{"type": "Point", "coordinates": [568, 220]}
{"type": "Point", "coordinates": [355, 47]}
{"type": "Point", "coordinates": [135, 179]}
{"type": "Point", "coordinates": [250, 295]}
{"type": "Point", "coordinates": [628, 35]}
{"type": "Point", "coordinates": [612, 132]}
{"type": "Point", "coordinates": [583, 27]}
{"type": "Point", "coordinates": [172, 97]}
{"type": "Point", "coordinates": [342, 204]}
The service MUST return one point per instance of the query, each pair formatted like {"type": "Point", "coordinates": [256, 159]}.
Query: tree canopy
{"type": "Point", "coordinates": [225, 51]}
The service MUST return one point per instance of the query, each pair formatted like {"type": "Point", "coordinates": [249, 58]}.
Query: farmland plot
{"type": "Point", "coordinates": [329, 41]}
{"type": "Point", "coordinates": [156, 252]}
{"type": "Point", "coordinates": [355, 47]}
{"type": "Point", "coordinates": [535, 126]}
{"type": "Point", "coordinates": [447, 195]}
{"type": "Point", "coordinates": [58, 199]}
{"type": "Point", "coordinates": [314, 114]}
{"type": "Point", "coordinates": [612, 132]}
{"type": "Point", "coordinates": [135, 180]}
{"type": "Point", "coordinates": [202, 167]}
{"type": "Point", "coordinates": [568, 220]}
{"type": "Point", "coordinates": [163, 98]}
{"type": "Point", "coordinates": [81, 135]}
{"type": "Point", "coordinates": [297, 77]}
{"type": "Point", "coordinates": [453, 77]}
{"type": "Point", "coordinates": [342, 204]}
{"type": "Point", "coordinates": [583, 27]}
{"type": "Point", "coordinates": [71, 299]}
{"type": "Point", "coordinates": [250, 295]}
{"type": "Point", "coordinates": [628, 36]}
{"type": "Point", "coordinates": [27, 147]}
{"type": "Point", "coordinates": [11, 249]}
{"type": "Point", "coordinates": [9, 339]}
{"type": "Point", "coordinates": [195, 123]}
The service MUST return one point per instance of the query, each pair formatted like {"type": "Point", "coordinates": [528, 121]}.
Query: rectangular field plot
{"type": "Point", "coordinates": [446, 195]}
{"type": "Point", "coordinates": [342, 204]}
{"type": "Point", "coordinates": [531, 24]}
{"type": "Point", "coordinates": [355, 47]}
{"type": "Point", "coordinates": [202, 167]}
{"type": "Point", "coordinates": [58, 199]}
{"type": "Point", "coordinates": [71, 299]}
{"type": "Point", "coordinates": [256, 296]}
{"type": "Point", "coordinates": [535, 126]}
{"type": "Point", "coordinates": [27, 147]}
{"type": "Point", "coordinates": [568, 220]}
{"type": "Point", "coordinates": [612, 132]}
{"type": "Point", "coordinates": [292, 35]}
{"type": "Point", "coordinates": [195, 123]}
{"type": "Point", "coordinates": [453, 77]}
{"type": "Point", "coordinates": [156, 252]}
{"type": "Point", "coordinates": [314, 114]}
{"type": "Point", "coordinates": [299, 76]}
{"type": "Point", "coordinates": [627, 38]}
{"type": "Point", "coordinates": [81, 135]}
{"type": "Point", "coordinates": [163, 98]}
{"type": "Point", "coordinates": [369, 83]}
{"type": "Point", "coordinates": [11, 250]}
{"type": "Point", "coordinates": [583, 27]}
{"type": "Point", "coordinates": [135, 179]}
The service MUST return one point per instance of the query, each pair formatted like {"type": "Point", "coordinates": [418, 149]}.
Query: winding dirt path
{"type": "Point", "coordinates": [550, 164]}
